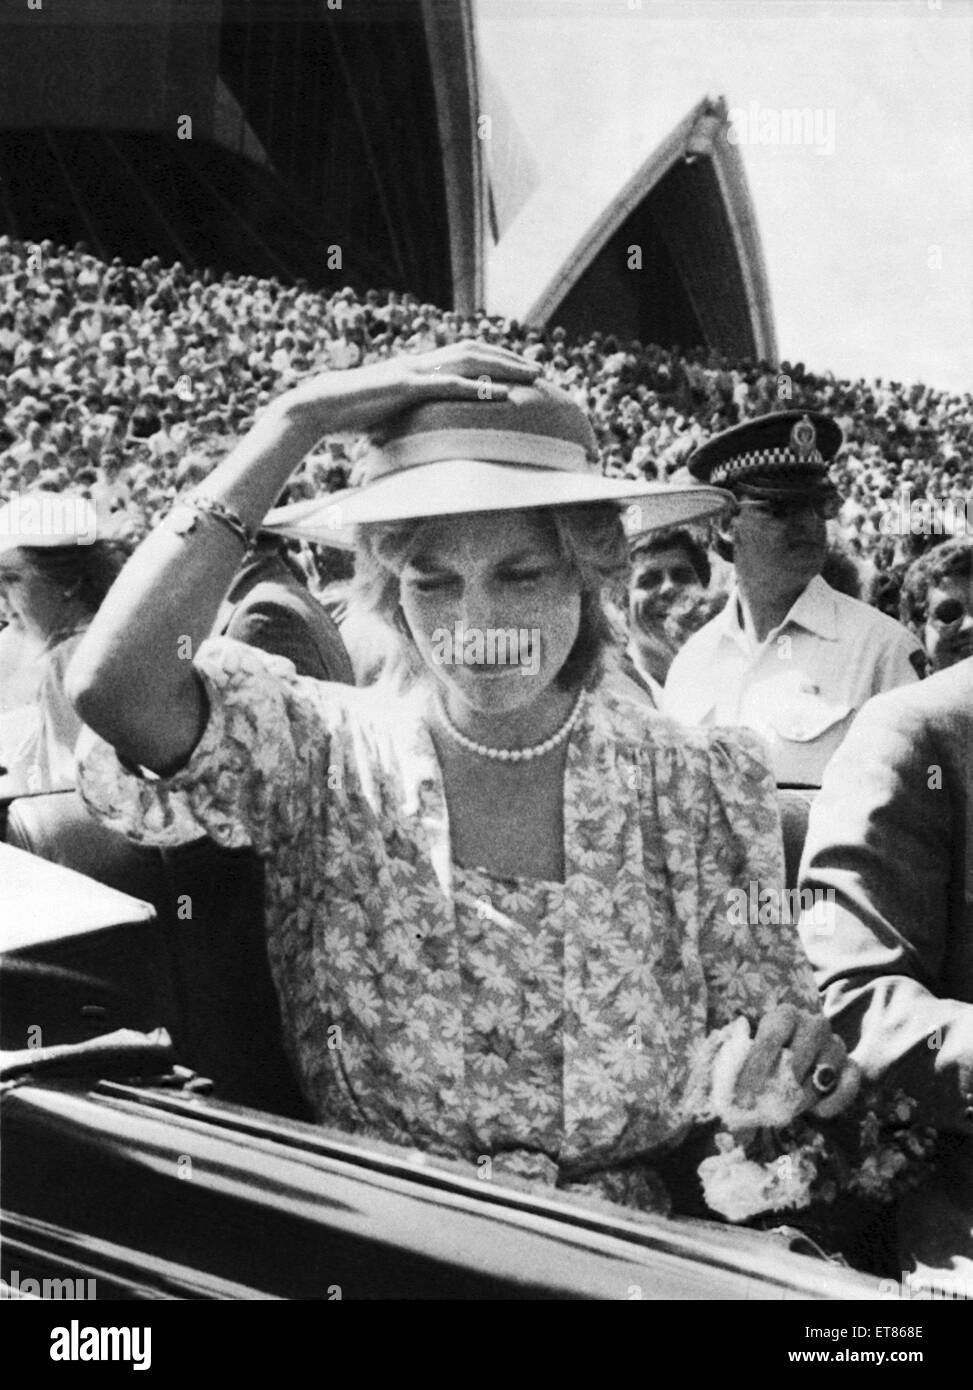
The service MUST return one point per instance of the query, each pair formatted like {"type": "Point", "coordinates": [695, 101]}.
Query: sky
{"type": "Point", "coordinates": [867, 228]}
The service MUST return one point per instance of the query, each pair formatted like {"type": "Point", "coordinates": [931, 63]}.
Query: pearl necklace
{"type": "Point", "coordinates": [513, 755]}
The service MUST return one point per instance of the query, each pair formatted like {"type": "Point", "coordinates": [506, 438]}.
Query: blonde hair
{"type": "Point", "coordinates": [588, 537]}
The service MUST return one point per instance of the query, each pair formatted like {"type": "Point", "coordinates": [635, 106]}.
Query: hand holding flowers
{"type": "Point", "coordinates": [772, 1156]}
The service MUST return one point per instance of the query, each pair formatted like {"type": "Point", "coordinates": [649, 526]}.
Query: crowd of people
{"type": "Point", "coordinates": [570, 1015]}
{"type": "Point", "coordinates": [131, 382]}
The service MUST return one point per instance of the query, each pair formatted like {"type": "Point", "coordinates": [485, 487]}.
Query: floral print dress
{"type": "Point", "coordinates": [547, 1027]}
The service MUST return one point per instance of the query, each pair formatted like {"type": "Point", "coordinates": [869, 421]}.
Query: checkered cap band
{"type": "Point", "coordinates": [764, 460]}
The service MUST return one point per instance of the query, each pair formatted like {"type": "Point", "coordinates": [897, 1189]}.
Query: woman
{"type": "Point", "coordinates": [53, 576]}
{"type": "Point", "coordinates": [496, 895]}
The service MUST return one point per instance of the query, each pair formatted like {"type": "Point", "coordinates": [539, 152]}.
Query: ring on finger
{"type": "Point", "coordinates": [824, 1079]}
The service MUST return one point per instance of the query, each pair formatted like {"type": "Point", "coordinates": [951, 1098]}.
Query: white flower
{"type": "Point", "coordinates": [736, 1187]}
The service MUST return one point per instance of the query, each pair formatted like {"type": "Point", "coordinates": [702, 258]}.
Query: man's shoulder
{"type": "Point", "coordinates": [701, 645]}
{"type": "Point", "coordinates": [661, 734]}
{"type": "Point", "coordinates": [943, 701]}
{"type": "Point", "coordinates": [698, 670]}
{"type": "Point", "coordinates": [856, 616]}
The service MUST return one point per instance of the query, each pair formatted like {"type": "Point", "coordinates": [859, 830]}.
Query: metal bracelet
{"type": "Point", "coordinates": [199, 504]}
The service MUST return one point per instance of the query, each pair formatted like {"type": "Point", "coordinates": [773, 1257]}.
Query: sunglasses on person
{"type": "Point", "coordinates": [780, 508]}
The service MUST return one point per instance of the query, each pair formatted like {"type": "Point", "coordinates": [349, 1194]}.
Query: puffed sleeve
{"type": "Point", "coordinates": [252, 776]}
{"type": "Point", "coordinates": [750, 950]}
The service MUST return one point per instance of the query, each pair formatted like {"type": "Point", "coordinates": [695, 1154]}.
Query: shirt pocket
{"type": "Point", "coordinates": [808, 716]}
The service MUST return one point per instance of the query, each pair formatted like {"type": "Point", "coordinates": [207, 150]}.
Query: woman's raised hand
{"type": "Point", "coordinates": [359, 400]}
{"type": "Point", "coordinates": [821, 1065]}
{"type": "Point", "coordinates": [168, 594]}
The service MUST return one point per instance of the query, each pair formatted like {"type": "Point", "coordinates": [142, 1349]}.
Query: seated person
{"type": "Point", "coordinates": [891, 836]}
{"type": "Point", "coordinates": [18, 654]}
{"type": "Point", "coordinates": [53, 577]}
{"type": "Point", "coordinates": [497, 898]}
{"type": "Point", "coordinates": [936, 602]}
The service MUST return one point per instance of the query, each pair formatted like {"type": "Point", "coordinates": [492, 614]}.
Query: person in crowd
{"type": "Point", "coordinates": [891, 839]}
{"type": "Point", "coordinates": [504, 891]}
{"type": "Point", "coordinates": [53, 577]}
{"type": "Point", "coordinates": [268, 605]}
{"type": "Point", "coordinates": [839, 571]}
{"type": "Point", "coordinates": [215, 345]}
{"type": "Point", "coordinates": [937, 601]}
{"type": "Point", "coordinates": [670, 574]}
{"type": "Point", "coordinates": [18, 653]}
{"type": "Point", "coordinates": [788, 656]}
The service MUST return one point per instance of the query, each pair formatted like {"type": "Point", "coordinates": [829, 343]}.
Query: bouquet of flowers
{"type": "Point", "coordinates": [767, 1161]}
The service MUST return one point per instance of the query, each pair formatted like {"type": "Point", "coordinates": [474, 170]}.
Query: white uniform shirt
{"type": "Point", "coordinates": [801, 687]}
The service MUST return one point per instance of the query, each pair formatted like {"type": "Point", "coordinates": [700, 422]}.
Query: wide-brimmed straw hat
{"type": "Point", "coordinates": [534, 448]}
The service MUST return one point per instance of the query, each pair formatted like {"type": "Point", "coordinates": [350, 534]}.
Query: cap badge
{"type": "Point", "coordinates": [804, 437]}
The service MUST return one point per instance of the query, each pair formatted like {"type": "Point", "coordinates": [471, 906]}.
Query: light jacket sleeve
{"type": "Point", "coordinates": [879, 841]}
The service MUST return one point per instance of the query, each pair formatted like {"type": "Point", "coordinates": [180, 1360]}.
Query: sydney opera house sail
{"type": "Point", "coordinates": [249, 135]}
{"type": "Point", "coordinates": [671, 257]}
{"type": "Point", "coordinates": [342, 143]}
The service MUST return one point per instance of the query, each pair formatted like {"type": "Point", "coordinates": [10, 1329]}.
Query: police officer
{"type": "Point", "coordinates": [788, 656]}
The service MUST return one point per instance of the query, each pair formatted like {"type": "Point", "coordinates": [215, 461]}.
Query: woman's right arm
{"type": "Point", "coordinates": [132, 679]}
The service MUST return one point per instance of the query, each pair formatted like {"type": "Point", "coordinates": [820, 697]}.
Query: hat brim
{"type": "Point", "coordinates": [795, 484]}
{"type": "Point", "coordinates": [458, 486]}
